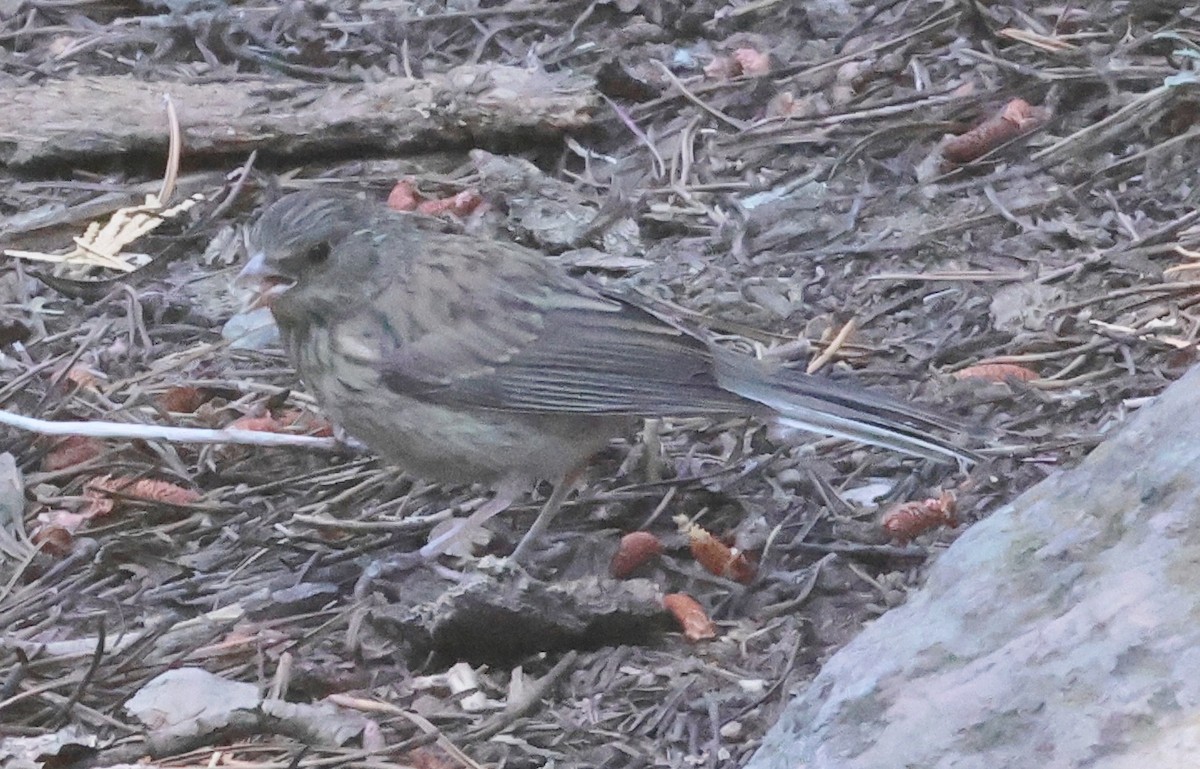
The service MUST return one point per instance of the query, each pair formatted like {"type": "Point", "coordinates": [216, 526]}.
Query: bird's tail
{"type": "Point", "coordinates": [841, 409]}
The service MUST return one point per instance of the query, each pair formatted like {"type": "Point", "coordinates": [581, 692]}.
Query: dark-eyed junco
{"type": "Point", "coordinates": [474, 361]}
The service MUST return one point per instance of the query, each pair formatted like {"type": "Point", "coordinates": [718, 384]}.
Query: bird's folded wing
{"type": "Point", "coordinates": [497, 327]}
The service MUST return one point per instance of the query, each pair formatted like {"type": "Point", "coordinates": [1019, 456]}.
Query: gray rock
{"type": "Point", "coordinates": [252, 330]}
{"type": "Point", "coordinates": [1059, 632]}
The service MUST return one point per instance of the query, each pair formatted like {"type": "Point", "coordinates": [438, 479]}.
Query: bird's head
{"type": "Point", "coordinates": [302, 247]}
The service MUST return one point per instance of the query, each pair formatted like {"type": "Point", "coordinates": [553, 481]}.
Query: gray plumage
{"type": "Point", "coordinates": [470, 360]}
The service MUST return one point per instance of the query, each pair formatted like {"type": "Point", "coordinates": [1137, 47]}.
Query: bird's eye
{"type": "Point", "coordinates": [318, 254]}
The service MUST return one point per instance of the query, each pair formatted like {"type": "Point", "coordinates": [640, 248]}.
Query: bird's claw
{"type": "Point", "coordinates": [399, 563]}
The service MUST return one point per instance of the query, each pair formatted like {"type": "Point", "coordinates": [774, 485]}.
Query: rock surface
{"type": "Point", "coordinates": [1059, 632]}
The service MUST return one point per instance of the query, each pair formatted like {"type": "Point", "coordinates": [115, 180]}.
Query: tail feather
{"type": "Point", "coordinates": [843, 410]}
{"type": "Point", "coordinates": [893, 436]}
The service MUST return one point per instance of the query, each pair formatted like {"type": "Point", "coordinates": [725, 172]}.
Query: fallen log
{"type": "Point", "coordinates": [471, 106]}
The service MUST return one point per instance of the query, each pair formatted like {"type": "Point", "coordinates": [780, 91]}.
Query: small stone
{"type": "Point", "coordinates": [731, 730]}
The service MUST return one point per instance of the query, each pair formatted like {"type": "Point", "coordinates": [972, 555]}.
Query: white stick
{"type": "Point", "coordinates": [164, 433]}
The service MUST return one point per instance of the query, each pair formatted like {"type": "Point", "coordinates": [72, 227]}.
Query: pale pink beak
{"type": "Point", "coordinates": [265, 284]}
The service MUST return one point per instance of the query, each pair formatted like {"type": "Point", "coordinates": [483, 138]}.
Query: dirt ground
{"type": "Point", "coordinates": [777, 171]}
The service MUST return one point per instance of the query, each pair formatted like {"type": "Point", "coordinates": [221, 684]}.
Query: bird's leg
{"type": "Point", "coordinates": [546, 516]}
{"type": "Point", "coordinates": [506, 494]}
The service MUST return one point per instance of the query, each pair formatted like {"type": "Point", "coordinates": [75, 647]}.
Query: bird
{"type": "Point", "coordinates": [472, 360]}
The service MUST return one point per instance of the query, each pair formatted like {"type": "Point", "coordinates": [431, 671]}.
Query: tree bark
{"type": "Point", "coordinates": [96, 117]}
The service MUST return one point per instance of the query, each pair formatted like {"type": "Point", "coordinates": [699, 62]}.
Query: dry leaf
{"type": "Point", "coordinates": [1017, 117]}
{"type": "Point", "coordinates": [636, 548]}
{"type": "Point", "coordinates": [404, 196]}
{"type": "Point", "coordinates": [785, 104]}
{"type": "Point", "coordinates": [997, 372]}
{"type": "Point", "coordinates": [752, 62]}
{"type": "Point", "coordinates": [290, 421]}
{"type": "Point", "coordinates": [102, 245]}
{"type": "Point", "coordinates": [70, 451]}
{"type": "Point", "coordinates": [690, 615]}
{"type": "Point", "coordinates": [714, 555]}
{"type": "Point", "coordinates": [307, 423]}
{"type": "Point", "coordinates": [722, 68]}
{"type": "Point", "coordinates": [83, 377]}
{"type": "Point", "coordinates": [56, 531]}
{"type": "Point", "coordinates": [743, 61]}
{"type": "Point", "coordinates": [461, 204]}
{"type": "Point", "coordinates": [183, 399]}
{"type": "Point", "coordinates": [100, 500]}
{"type": "Point", "coordinates": [907, 521]}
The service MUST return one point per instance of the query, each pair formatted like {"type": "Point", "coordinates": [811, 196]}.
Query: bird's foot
{"type": "Point", "coordinates": [400, 563]}
{"type": "Point", "coordinates": [500, 567]}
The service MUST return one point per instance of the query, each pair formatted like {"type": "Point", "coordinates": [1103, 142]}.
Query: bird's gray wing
{"type": "Point", "coordinates": [492, 325]}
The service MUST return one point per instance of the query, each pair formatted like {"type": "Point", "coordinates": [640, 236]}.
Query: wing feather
{"type": "Point", "coordinates": [486, 325]}
{"type": "Point", "coordinates": [496, 326]}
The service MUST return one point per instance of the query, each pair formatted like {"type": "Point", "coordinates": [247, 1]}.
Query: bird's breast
{"type": "Point", "coordinates": [445, 443]}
